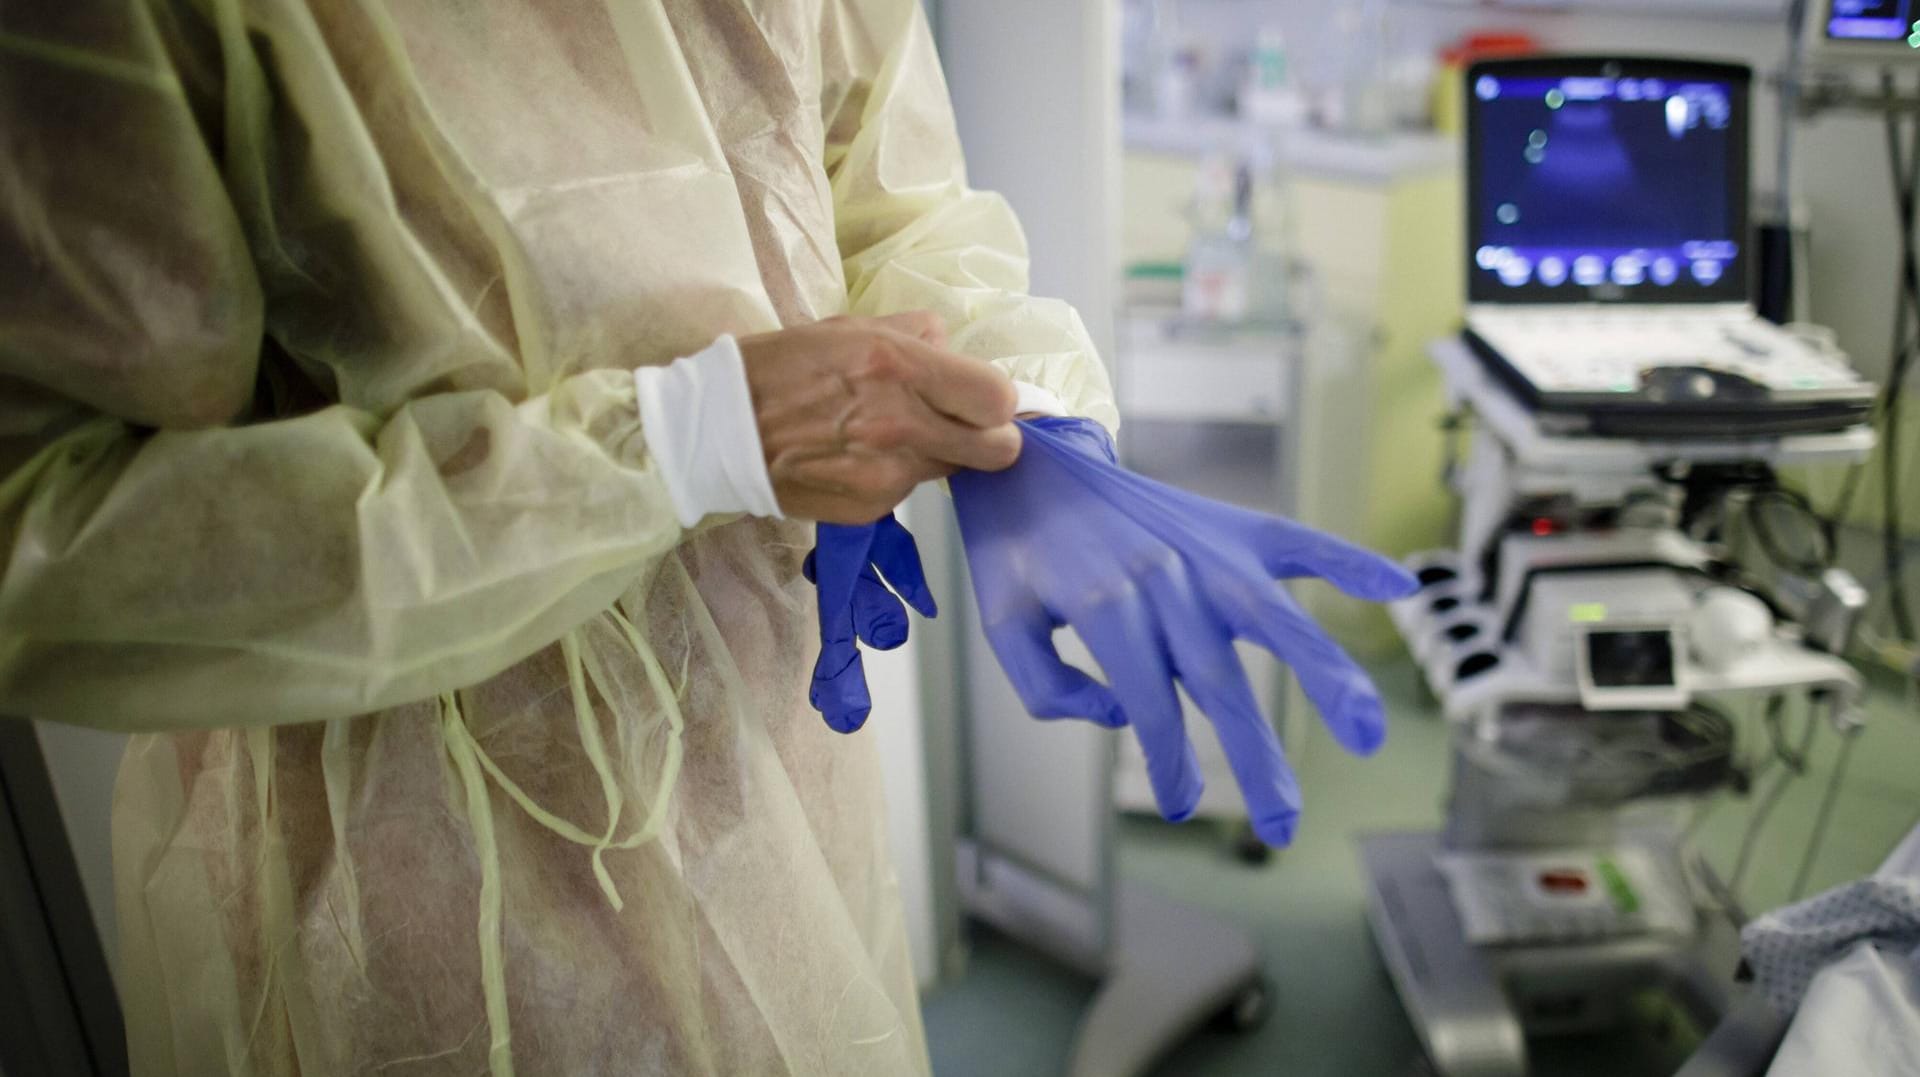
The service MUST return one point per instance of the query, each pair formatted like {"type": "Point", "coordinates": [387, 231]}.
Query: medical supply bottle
{"type": "Point", "coordinates": [1220, 256]}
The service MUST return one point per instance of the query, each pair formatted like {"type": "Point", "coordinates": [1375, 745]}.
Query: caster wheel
{"type": "Point", "coordinates": [1664, 1028]}
{"type": "Point", "coordinates": [1249, 1009]}
{"type": "Point", "coordinates": [1251, 850]}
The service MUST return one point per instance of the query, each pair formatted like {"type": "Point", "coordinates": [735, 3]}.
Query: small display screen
{"type": "Point", "coordinates": [1873, 20]}
{"type": "Point", "coordinates": [1608, 186]}
{"type": "Point", "coordinates": [1631, 659]}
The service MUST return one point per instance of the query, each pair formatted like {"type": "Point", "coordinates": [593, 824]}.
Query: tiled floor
{"type": "Point", "coordinates": [1335, 1014]}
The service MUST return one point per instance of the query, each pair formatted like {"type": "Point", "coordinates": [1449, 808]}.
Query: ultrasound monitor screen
{"type": "Point", "coordinates": [1607, 187]}
{"type": "Point", "coordinates": [1873, 20]}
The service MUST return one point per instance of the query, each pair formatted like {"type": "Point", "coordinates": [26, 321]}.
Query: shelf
{"type": "Point", "coordinates": [1304, 150]}
{"type": "Point", "coordinates": [1234, 374]}
{"type": "Point", "coordinates": [1679, 9]}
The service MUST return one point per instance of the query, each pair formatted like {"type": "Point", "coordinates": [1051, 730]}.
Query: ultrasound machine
{"type": "Point", "coordinates": [1611, 285]}
{"type": "Point", "coordinates": [1590, 636]}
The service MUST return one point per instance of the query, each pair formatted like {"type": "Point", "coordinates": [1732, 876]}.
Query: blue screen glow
{"type": "Point", "coordinates": [1872, 20]}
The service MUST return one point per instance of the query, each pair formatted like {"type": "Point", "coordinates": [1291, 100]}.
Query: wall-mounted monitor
{"type": "Point", "coordinates": [1870, 32]}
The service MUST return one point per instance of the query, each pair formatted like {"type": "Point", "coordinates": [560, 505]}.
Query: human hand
{"type": "Point", "coordinates": [855, 606]}
{"type": "Point", "coordinates": [1158, 583]}
{"type": "Point", "coordinates": [853, 413]}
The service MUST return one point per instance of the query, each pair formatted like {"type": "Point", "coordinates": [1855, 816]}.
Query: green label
{"type": "Point", "coordinates": [1624, 898]}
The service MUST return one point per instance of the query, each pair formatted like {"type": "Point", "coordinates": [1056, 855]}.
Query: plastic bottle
{"type": "Point", "coordinates": [1215, 286]}
{"type": "Point", "coordinates": [1268, 95]}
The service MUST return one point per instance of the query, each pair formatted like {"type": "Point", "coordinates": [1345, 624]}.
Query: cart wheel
{"type": "Point", "coordinates": [1250, 849]}
{"type": "Point", "coordinates": [1249, 1008]}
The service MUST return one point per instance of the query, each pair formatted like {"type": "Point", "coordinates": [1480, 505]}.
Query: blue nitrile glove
{"type": "Point", "coordinates": [855, 605]}
{"type": "Point", "coordinates": [1159, 583]}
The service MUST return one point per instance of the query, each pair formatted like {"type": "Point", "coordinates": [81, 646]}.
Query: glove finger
{"type": "Point", "coordinates": [1122, 636]}
{"type": "Point", "coordinates": [1289, 550]}
{"type": "Point", "coordinates": [1075, 438]}
{"type": "Point", "coordinates": [839, 689]}
{"type": "Point", "coordinates": [898, 557]}
{"type": "Point", "coordinates": [1332, 681]}
{"type": "Point", "coordinates": [1047, 685]}
{"type": "Point", "coordinates": [1204, 659]}
{"type": "Point", "coordinates": [878, 617]}
{"type": "Point", "coordinates": [807, 567]}
{"type": "Point", "coordinates": [839, 553]}
{"type": "Point", "coordinates": [1284, 548]}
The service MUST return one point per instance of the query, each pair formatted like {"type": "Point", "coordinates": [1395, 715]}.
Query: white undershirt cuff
{"type": "Point", "coordinates": [697, 415]}
{"type": "Point", "coordinates": [1033, 400]}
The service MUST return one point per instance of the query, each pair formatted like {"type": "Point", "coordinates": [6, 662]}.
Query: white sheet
{"type": "Point", "coordinates": [1849, 960]}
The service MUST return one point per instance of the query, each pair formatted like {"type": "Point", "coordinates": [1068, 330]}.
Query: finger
{"type": "Point", "coordinates": [840, 552]}
{"type": "Point", "coordinates": [1289, 550]}
{"type": "Point", "coordinates": [1337, 687]}
{"type": "Point", "coordinates": [1048, 686]}
{"type": "Point", "coordinates": [878, 617]}
{"type": "Point", "coordinates": [839, 689]}
{"type": "Point", "coordinates": [922, 325]}
{"type": "Point", "coordinates": [847, 509]}
{"type": "Point", "coordinates": [933, 436]}
{"type": "Point", "coordinates": [1204, 659]}
{"type": "Point", "coordinates": [969, 390]}
{"type": "Point", "coordinates": [897, 557]}
{"type": "Point", "coordinates": [1284, 548]}
{"type": "Point", "coordinates": [1122, 636]}
{"type": "Point", "coordinates": [854, 488]}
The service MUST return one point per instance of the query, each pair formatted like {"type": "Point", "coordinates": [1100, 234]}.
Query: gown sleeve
{"type": "Point", "coordinates": [912, 234]}
{"type": "Point", "coordinates": [168, 563]}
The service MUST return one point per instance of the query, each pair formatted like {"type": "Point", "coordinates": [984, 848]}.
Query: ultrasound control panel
{"type": "Point", "coordinates": [1679, 357]}
{"type": "Point", "coordinates": [1674, 375]}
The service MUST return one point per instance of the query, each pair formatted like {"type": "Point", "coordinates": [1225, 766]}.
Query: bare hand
{"type": "Point", "coordinates": [856, 412]}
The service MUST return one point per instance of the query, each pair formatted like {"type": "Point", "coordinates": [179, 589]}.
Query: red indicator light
{"type": "Point", "coordinates": [1566, 881]}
